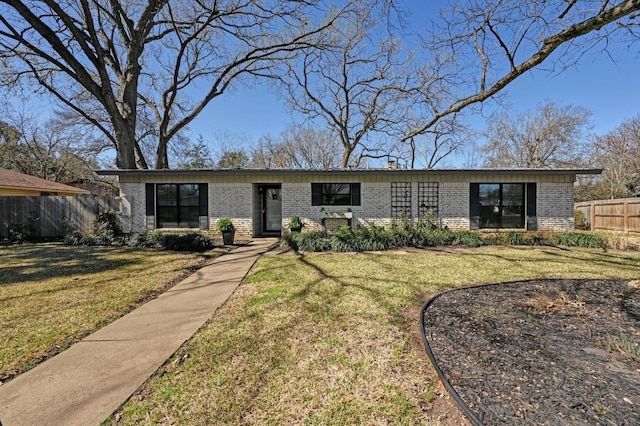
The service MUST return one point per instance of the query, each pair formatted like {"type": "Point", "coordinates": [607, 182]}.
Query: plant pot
{"type": "Point", "coordinates": [296, 229]}
{"type": "Point", "coordinates": [227, 237]}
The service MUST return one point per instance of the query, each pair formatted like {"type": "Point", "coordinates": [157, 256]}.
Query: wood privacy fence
{"type": "Point", "coordinates": [51, 217]}
{"type": "Point", "coordinates": [612, 215]}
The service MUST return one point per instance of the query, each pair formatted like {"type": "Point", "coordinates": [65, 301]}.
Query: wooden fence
{"type": "Point", "coordinates": [612, 215]}
{"type": "Point", "coordinates": [51, 217]}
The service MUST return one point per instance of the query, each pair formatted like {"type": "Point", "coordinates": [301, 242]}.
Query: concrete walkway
{"type": "Point", "coordinates": [86, 383]}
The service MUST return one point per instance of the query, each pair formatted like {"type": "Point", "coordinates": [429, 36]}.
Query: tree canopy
{"type": "Point", "coordinates": [551, 136]}
{"type": "Point", "coordinates": [121, 64]}
{"type": "Point", "coordinates": [141, 71]}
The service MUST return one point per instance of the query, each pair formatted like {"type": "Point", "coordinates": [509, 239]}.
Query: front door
{"type": "Point", "coordinates": [271, 209]}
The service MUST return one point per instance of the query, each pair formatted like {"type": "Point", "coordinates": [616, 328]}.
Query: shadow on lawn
{"type": "Point", "coordinates": [374, 286]}
{"type": "Point", "coordinates": [564, 256]}
{"type": "Point", "coordinates": [37, 262]}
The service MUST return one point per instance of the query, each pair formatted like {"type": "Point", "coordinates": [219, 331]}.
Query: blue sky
{"type": "Point", "coordinates": [610, 90]}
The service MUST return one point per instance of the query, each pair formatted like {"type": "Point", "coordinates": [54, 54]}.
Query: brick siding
{"type": "Point", "coordinates": [238, 199]}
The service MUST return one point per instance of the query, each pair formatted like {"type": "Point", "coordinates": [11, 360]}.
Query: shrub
{"type": "Point", "coordinates": [371, 238]}
{"type": "Point", "coordinates": [144, 239]}
{"type": "Point", "coordinates": [402, 237]}
{"type": "Point", "coordinates": [516, 239]}
{"type": "Point", "coordinates": [344, 239]}
{"type": "Point", "coordinates": [186, 242]}
{"type": "Point", "coordinates": [467, 238]}
{"type": "Point", "coordinates": [429, 222]}
{"type": "Point", "coordinates": [579, 239]}
{"type": "Point", "coordinates": [580, 220]}
{"type": "Point", "coordinates": [106, 223]}
{"type": "Point", "coordinates": [21, 232]}
{"type": "Point", "coordinates": [75, 238]}
{"type": "Point", "coordinates": [309, 241]}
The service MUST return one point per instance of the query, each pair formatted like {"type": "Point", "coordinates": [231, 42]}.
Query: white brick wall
{"type": "Point", "coordinates": [375, 205]}
{"type": "Point", "coordinates": [232, 200]}
{"type": "Point", "coordinates": [555, 206]}
{"type": "Point", "coordinates": [453, 205]}
{"type": "Point", "coordinates": [236, 197]}
{"type": "Point", "coordinates": [132, 202]}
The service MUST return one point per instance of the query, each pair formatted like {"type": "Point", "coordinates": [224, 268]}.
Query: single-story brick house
{"type": "Point", "coordinates": [261, 201]}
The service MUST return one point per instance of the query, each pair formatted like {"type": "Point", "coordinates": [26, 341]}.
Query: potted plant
{"type": "Point", "coordinates": [296, 224]}
{"type": "Point", "coordinates": [226, 228]}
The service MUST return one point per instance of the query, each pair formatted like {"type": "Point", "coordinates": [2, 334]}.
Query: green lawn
{"type": "Point", "coordinates": [333, 338]}
{"type": "Point", "coordinates": [52, 295]}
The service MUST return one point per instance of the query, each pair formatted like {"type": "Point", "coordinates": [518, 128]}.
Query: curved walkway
{"type": "Point", "coordinates": [86, 383]}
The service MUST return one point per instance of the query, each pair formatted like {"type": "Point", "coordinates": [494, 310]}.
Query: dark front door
{"type": "Point", "coordinates": [271, 209]}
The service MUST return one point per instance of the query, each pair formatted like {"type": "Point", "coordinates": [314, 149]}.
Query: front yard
{"type": "Point", "coordinates": [53, 295]}
{"type": "Point", "coordinates": [334, 339]}
{"type": "Point", "coordinates": [316, 339]}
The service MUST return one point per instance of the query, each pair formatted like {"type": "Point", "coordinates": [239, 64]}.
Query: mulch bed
{"type": "Point", "coordinates": [542, 352]}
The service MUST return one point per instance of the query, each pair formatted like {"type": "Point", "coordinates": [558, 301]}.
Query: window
{"type": "Point", "coordinates": [179, 205]}
{"type": "Point", "coordinates": [335, 194]}
{"type": "Point", "coordinates": [499, 205]}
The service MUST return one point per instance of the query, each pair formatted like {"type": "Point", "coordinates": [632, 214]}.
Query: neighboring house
{"type": "Point", "coordinates": [96, 187]}
{"type": "Point", "coordinates": [18, 184]}
{"type": "Point", "coordinates": [261, 201]}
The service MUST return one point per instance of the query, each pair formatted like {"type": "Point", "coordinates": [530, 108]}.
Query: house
{"type": "Point", "coordinates": [96, 187]}
{"type": "Point", "coordinates": [261, 201]}
{"type": "Point", "coordinates": [18, 184]}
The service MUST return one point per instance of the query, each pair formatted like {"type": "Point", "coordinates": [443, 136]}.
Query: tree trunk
{"type": "Point", "coordinates": [125, 145]}
{"type": "Point", "coordinates": [162, 158]}
{"type": "Point", "coordinates": [346, 155]}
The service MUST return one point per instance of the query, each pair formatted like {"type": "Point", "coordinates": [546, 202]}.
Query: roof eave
{"type": "Point", "coordinates": [244, 171]}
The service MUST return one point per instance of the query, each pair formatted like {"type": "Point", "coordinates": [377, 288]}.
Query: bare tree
{"type": "Point", "coordinates": [113, 62]}
{"type": "Point", "coordinates": [443, 139]}
{"type": "Point", "coordinates": [618, 152]}
{"type": "Point", "coordinates": [478, 48]}
{"type": "Point", "coordinates": [298, 148]}
{"type": "Point", "coordinates": [359, 85]}
{"type": "Point", "coordinates": [192, 154]}
{"type": "Point", "coordinates": [43, 149]}
{"type": "Point", "coordinates": [547, 137]}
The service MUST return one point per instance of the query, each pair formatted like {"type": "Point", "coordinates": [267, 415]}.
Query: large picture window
{"type": "Point", "coordinates": [178, 205]}
{"type": "Point", "coordinates": [335, 194]}
{"type": "Point", "coordinates": [501, 205]}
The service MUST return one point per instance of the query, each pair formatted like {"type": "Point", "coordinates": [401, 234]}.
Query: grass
{"type": "Point", "coordinates": [629, 241]}
{"type": "Point", "coordinates": [625, 344]}
{"type": "Point", "coordinates": [333, 338]}
{"type": "Point", "coordinates": [53, 295]}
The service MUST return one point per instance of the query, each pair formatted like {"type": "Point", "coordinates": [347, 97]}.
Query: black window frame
{"type": "Point", "coordinates": [181, 210]}
{"type": "Point", "coordinates": [491, 215]}
{"type": "Point", "coordinates": [334, 194]}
